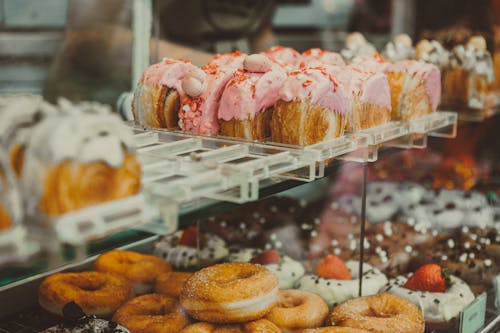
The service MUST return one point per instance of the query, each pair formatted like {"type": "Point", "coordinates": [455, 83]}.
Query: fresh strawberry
{"type": "Point", "coordinates": [188, 237]}
{"type": "Point", "coordinates": [267, 257]}
{"type": "Point", "coordinates": [332, 267]}
{"type": "Point", "coordinates": [430, 277]}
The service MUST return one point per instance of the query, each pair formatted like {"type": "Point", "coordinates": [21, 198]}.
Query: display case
{"type": "Point", "coordinates": [382, 202]}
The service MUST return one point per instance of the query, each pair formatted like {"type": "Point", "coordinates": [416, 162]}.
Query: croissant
{"type": "Point", "coordinates": [5, 220]}
{"type": "Point", "coordinates": [246, 105]}
{"type": "Point", "coordinates": [71, 185]}
{"type": "Point", "coordinates": [313, 107]}
{"type": "Point", "coordinates": [96, 164]}
{"type": "Point", "coordinates": [157, 97]}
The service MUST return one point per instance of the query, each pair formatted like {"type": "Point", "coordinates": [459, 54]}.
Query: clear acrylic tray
{"type": "Point", "coordinates": [15, 246]}
{"type": "Point", "coordinates": [79, 227]}
{"type": "Point", "coordinates": [183, 167]}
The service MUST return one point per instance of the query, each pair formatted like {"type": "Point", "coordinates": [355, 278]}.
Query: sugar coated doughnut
{"type": "Point", "coordinates": [97, 293]}
{"type": "Point", "coordinates": [298, 309]}
{"type": "Point", "coordinates": [141, 269]}
{"type": "Point", "coordinates": [152, 313]}
{"type": "Point", "coordinates": [171, 283]}
{"type": "Point", "coordinates": [257, 326]}
{"type": "Point", "coordinates": [230, 293]}
{"type": "Point", "coordinates": [379, 314]}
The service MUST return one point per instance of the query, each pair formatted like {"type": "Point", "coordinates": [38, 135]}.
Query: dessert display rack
{"type": "Point", "coordinates": [180, 169]}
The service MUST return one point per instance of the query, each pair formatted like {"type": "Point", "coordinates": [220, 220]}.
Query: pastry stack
{"type": "Point", "coordinates": [285, 96]}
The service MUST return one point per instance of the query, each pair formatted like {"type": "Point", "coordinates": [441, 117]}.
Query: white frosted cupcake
{"type": "Point", "coordinates": [336, 281]}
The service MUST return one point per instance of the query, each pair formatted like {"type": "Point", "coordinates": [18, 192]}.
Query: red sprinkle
{"type": "Point", "coordinates": [306, 83]}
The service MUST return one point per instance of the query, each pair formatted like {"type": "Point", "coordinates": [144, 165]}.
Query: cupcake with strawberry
{"type": "Point", "coordinates": [189, 249]}
{"type": "Point", "coordinates": [440, 296]}
{"type": "Point", "coordinates": [336, 281]}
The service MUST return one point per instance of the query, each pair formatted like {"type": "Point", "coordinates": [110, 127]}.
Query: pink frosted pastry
{"type": "Point", "coordinates": [370, 96]}
{"type": "Point", "coordinates": [246, 105]}
{"type": "Point", "coordinates": [415, 89]}
{"type": "Point", "coordinates": [312, 107]}
{"type": "Point", "coordinates": [415, 86]}
{"type": "Point", "coordinates": [318, 57]}
{"type": "Point", "coordinates": [159, 92]}
{"type": "Point", "coordinates": [284, 56]}
{"type": "Point", "coordinates": [204, 89]}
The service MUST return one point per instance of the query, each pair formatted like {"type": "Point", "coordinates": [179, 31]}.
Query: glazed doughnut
{"type": "Point", "coordinates": [230, 293]}
{"type": "Point", "coordinates": [379, 313]}
{"type": "Point", "coordinates": [171, 283]}
{"type": "Point", "coordinates": [141, 269]}
{"type": "Point", "coordinates": [152, 313]}
{"type": "Point", "coordinates": [258, 326]}
{"type": "Point", "coordinates": [335, 329]}
{"type": "Point", "coordinates": [298, 309]}
{"type": "Point", "coordinates": [97, 293]}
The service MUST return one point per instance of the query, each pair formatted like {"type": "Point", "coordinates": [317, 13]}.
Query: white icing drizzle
{"type": "Point", "coordinates": [435, 306]}
{"type": "Point", "coordinates": [336, 291]}
{"type": "Point", "coordinates": [18, 115]}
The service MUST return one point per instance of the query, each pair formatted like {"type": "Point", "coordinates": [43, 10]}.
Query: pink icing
{"type": "Point", "coordinates": [233, 59]}
{"type": "Point", "coordinates": [371, 63]}
{"type": "Point", "coordinates": [284, 56]}
{"type": "Point", "coordinates": [316, 85]}
{"type": "Point", "coordinates": [247, 93]}
{"type": "Point", "coordinates": [428, 72]}
{"type": "Point", "coordinates": [168, 72]}
{"type": "Point", "coordinates": [317, 57]}
{"type": "Point", "coordinates": [372, 88]}
{"type": "Point", "coordinates": [199, 114]}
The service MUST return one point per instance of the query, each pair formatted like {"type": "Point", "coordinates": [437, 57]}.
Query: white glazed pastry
{"type": "Point", "coordinates": [18, 116]}
{"type": "Point", "coordinates": [434, 53]}
{"type": "Point", "coordinates": [242, 254]}
{"type": "Point", "coordinates": [435, 306]}
{"type": "Point", "coordinates": [399, 48]}
{"type": "Point", "coordinates": [288, 271]}
{"type": "Point", "coordinates": [72, 162]}
{"type": "Point", "coordinates": [184, 254]}
{"type": "Point", "coordinates": [336, 291]}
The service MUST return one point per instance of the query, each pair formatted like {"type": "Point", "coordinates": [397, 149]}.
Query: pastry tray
{"type": "Point", "coordinates": [15, 246]}
{"type": "Point", "coordinates": [79, 227]}
{"type": "Point", "coordinates": [182, 167]}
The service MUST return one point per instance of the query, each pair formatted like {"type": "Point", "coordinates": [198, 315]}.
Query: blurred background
{"type": "Point", "coordinates": [82, 49]}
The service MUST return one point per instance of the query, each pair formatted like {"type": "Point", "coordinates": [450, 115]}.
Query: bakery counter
{"type": "Point", "coordinates": [295, 239]}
